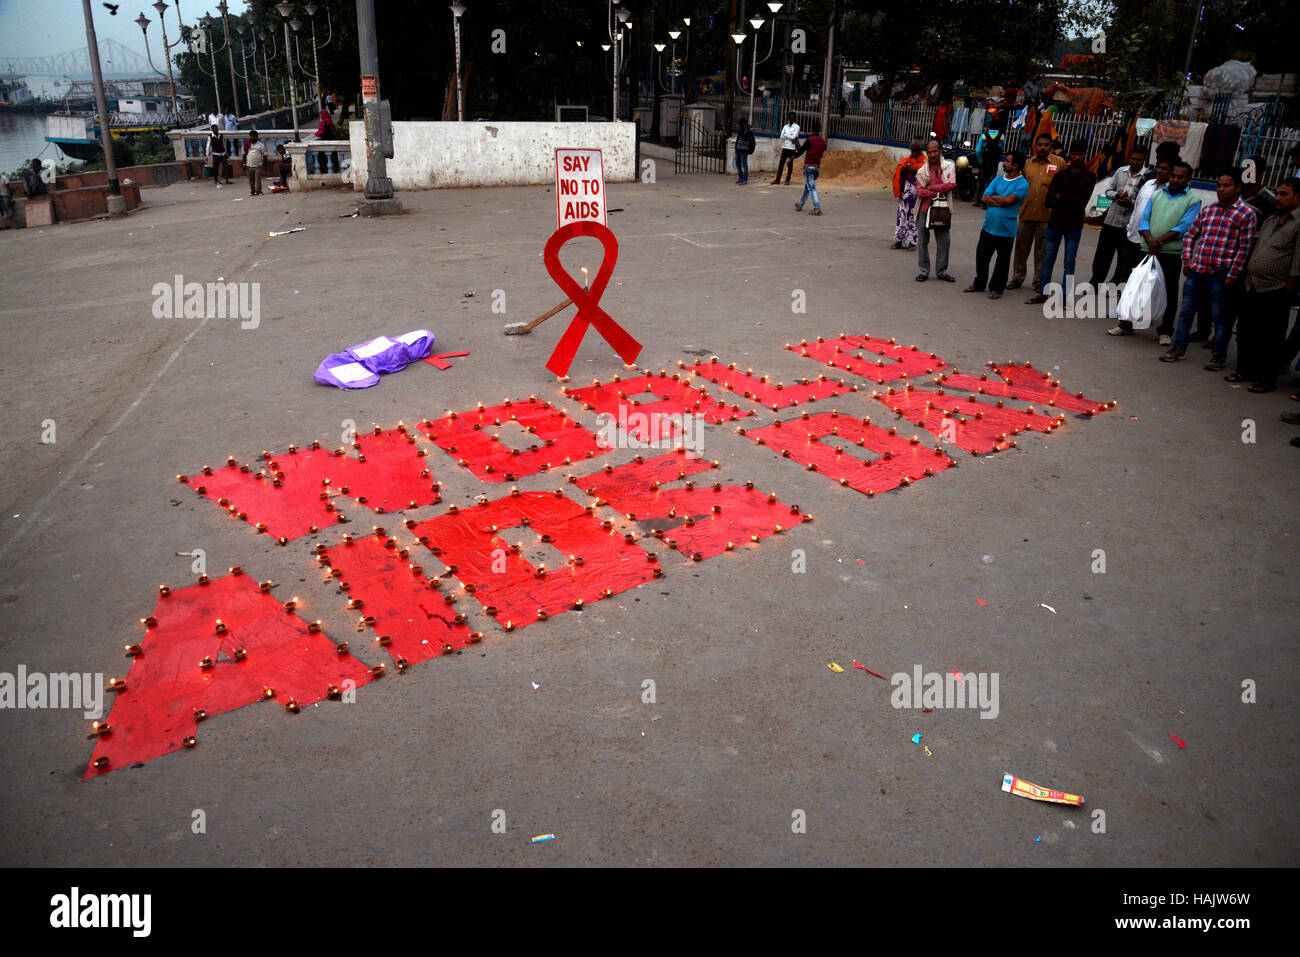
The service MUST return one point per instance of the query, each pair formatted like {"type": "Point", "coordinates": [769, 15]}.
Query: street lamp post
{"type": "Point", "coordinates": [230, 53]}
{"type": "Point", "coordinates": [311, 9]}
{"type": "Point", "coordinates": [457, 11]}
{"type": "Point", "coordinates": [243, 56]}
{"type": "Point", "coordinates": [285, 9]}
{"type": "Point", "coordinates": [207, 21]}
{"type": "Point", "coordinates": [757, 24]}
{"type": "Point", "coordinates": [266, 36]}
{"type": "Point", "coordinates": [116, 204]}
{"type": "Point", "coordinates": [621, 15]}
{"type": "Point", "coordinates": [143, 23]}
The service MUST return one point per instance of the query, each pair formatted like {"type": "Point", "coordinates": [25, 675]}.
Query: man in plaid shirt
{"type": "Point", "coordinates": [1215, 251]}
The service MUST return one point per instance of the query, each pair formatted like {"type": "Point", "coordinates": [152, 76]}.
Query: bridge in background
{"type": "Point", "coordinates": [115, 59]}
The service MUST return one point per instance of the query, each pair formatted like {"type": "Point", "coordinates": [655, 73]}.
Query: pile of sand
{"type": "Point", "coordinates": [874, 170]}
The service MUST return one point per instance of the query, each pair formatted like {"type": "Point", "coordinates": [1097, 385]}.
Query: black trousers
{"type": "Point", "coordinates": [1171, 264]}
{"type": "Point", "coordinates": [1261, 334]}
{"type": "Point", "coordinates": [787, 156]}
{"type": "Point", "coordinates": [1110, 245]}
{"type": "Point", "coordinates": [984, 250]}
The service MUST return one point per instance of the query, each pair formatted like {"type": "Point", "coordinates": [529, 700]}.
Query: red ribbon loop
{"type": "Point", "coordinates": [587, 301]}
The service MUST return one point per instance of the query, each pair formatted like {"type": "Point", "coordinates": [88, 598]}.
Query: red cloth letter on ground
{"type": "Point", "coordinates": [966, 423]}
{"type": "Point", "coordinates": [469, 437]}
{"type": "Point", "coordinates": [640, 418]}
{"type": "Point", "coordinates": [902, 460]}
{"type": "Point", "coordinates": [166, 683]}
{"type": "Point", "coordinates": [775, 396]}
{"type": "Point", "coordinates": [742, 514]}
{"type": "Point", "coordinates": [465, 541]}
{"type": "Point", "coordinates": [406, 607]}
{"type": "Point", "coordinates": [846, 353]}
{"type": "Point", "coordinates": [1025, 382]}
{"type": "Point", "coordinates": [389, 474]}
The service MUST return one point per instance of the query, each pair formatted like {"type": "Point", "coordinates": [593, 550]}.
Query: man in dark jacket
{"type": "Point", "coordinates": [1067, 197]}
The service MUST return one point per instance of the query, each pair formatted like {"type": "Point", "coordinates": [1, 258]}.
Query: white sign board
{"type": "Point", "coordinates": [579, 186]}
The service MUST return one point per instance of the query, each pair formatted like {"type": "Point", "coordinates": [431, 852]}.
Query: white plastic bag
{"type": "Point", "coordinates": [1144, 294]}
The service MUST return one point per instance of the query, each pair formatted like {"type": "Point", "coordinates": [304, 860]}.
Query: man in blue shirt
{"type": "Point", "coordinates": [1002, 199]}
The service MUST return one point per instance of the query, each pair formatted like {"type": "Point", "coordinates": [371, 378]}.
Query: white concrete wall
{"type": "Point", "coordinates": [440, 155]}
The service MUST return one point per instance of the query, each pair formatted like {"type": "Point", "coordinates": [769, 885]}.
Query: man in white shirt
{"type": "Point", "coordinates": [1135, 249]}
{"type": "Point", "coordinates": [216, 119]}
{"type": "Point", "coordinates": [1110, 244]}
{"type": "Point", "coordinates": [789, 145]}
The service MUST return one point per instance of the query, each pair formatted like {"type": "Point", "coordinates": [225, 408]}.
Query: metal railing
{"type": "Point", "coordinates": [193, 144]}
{"type": "Point", "coordinates": [700, 150]}
{"type": "Point", "coordinates": [152, 118]}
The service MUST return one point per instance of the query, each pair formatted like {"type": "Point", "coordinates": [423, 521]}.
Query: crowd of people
{"type": "Point", "coordinates": [1229, 265]}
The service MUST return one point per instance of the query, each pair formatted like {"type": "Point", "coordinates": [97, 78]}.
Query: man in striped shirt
{"type": "Point", "coordinates": [1215, 250]}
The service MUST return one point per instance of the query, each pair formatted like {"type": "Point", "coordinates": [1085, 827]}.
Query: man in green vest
{"type": "Point", "coordinates": [1172, 211]}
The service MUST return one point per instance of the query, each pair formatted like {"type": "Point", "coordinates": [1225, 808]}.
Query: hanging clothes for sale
{"type": "Point", "coordinates": [1171, 131]}
{"type": "Point", "coordinates": [1219, 151]}
{"type": "Point", "coordinates": [1192, 145]}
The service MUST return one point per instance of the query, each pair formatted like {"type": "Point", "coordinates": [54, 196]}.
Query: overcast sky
{"type": "Point", "coordinates": [46, 27]}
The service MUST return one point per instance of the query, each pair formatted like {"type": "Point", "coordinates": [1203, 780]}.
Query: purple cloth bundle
{"type": "Point", "coordinates": [361, 366]}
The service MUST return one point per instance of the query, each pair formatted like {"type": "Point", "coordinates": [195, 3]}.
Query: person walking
{"type": "Point", "coordinates": [789, 149]}
{"type": "Point", "coordinates": [1031, 230]}
{"type": "Point", "coordinates": [905, 189]}
{"type": "Point", "coordinates": [934, 182]}
{"type": "Point", "coordinates": [218, 155]}
{"type": "Point", "coordinates": [1165, 221]}
{"type": "Point", "coordinates": [1114, 225]}
{"type": "Point", "coordinates": [1214, 254]}
{"type": "Point", "coordinates": [254, 160]}
{"type": "Point", "coordinates": [1002, 199]}
{"type": "Point", "coordinates": [1067, 197]}
{"type": "Point", "coordinates": [744, 146]}
{"type": "Point", "coordinates": [1272, 279]}
{"type": "Point", "coordinates": [811, 150]}
{"type": "Point", "coordinates": [232, 122]}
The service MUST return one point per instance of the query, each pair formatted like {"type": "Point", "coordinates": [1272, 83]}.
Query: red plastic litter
{"type": "Point", "coordinates": [155, 713]}
{"type": "Point", "coordinates": [868, 670]}
{"type": "Point", "coordinates": [896, 362]}
{"type": "Point", "coordinates": [672, 397]}
{"type": "Point", "coordinates": [969, 424]}
{"type": "Point", "coordinates": [901, 461]}
{"type": "Point", "coordinates": [470, 438]}
{"type": "Point", "coordinates": [389, 476]}
{"type": "Point", "coordinates": [402, 602]}
{"type": "Point", "coordinates": [742, 515]}
{"type": "Point", "coordinates": [980, 601]}
{"type": "Point", "coordinates": [1182, 745]}
{"type": "Point", "coordinates": [1027, 383]}
{"type": "Point", "coordinates": [438, 363]}
{"type": "Point", "coordinates": [761, 389]}
{"type": "Point", "coordinates": [467, 541]}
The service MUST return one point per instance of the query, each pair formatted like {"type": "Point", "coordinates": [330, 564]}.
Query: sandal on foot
{"type": "Point", "coordinates": [1234, 377]}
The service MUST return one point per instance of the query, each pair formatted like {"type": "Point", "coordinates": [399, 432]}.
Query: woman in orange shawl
{"type": "Point", "coordinates": [905, 190]}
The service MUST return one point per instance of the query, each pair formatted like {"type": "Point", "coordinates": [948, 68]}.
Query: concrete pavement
{"type": "Point", "coordinates": [749, 726]}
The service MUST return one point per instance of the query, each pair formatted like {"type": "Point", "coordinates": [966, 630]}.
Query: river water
{"type": "Point", "coordinates": [22, 137]}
